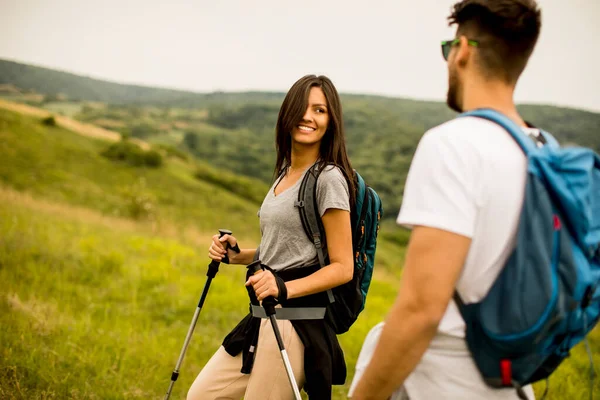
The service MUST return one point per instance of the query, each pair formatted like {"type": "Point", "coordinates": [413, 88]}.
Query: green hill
{"type": "Point", "coordinates": [382, 134]}
{"type": "Point", "coordinates": [83, 177]}
{"type": "Point", "coordinates": [236, 130]}
{"type": "Point", "coordinates": [51, 82]}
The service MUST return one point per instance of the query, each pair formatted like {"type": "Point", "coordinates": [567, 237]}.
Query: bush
{"type": "Point", "coordinates": [191, 140]}
{"type": "Point", "coordinates": [49, 121]}
{"type": "Point", "coordinates": [253, 116]}
{"type": "Point", "coordinates": [132, 154]}
{"type": "Point", "coordinates": [139, 202]}
{"type": "Point", "coordinates": [153, 158]}
{"type": "Point", "coordinates": [125, 133]}
{"type": "Point", "coordinates": [172, 151]}
{"type": "Point", "coordinates": [248, 188]}
{"type": "Point", "coordinates": [143, 130]}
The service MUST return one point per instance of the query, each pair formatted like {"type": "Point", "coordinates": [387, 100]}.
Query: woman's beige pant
{"type": "Point", "coordinates": [221, 379]}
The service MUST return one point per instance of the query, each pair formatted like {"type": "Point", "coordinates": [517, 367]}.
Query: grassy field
{"type": "Point", "coordinates": [95, 304]}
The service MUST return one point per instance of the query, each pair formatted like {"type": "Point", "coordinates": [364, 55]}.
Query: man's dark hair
{"type": "Point", "coordinates": [507, 31]}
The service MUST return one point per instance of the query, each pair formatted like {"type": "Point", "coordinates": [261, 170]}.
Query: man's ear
{"type": "Point", "coordinates": [463, 52]}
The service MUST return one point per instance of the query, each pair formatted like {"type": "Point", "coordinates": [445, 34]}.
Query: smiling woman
{"type": "Point", "coordinates": [309, 131]}
{"type": "Point", "coordinates": [313, 103]}
{"type": "Point", "coordinates": [314, 123]}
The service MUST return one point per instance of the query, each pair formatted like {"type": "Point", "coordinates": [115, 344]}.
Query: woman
{"type": "Point", "coordinates": [309, 130]}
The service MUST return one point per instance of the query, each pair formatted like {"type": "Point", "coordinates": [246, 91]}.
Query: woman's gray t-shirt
{"type": "Point", "coordinates": [284, 243]}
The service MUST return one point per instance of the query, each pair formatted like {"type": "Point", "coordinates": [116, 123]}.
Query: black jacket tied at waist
{"type": "Point", "coordinates": [324, 363]}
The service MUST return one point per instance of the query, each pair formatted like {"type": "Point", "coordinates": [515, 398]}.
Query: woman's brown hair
{"type": "Point", "coordinates": [333, 144]}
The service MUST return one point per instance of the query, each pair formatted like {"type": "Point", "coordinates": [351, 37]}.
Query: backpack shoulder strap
{"type": "Point", "coordinates": [459, 303]}
{"type": "Point", "coordinates": [309, 215]}
{"type": "Point", "coordinates": [522, 140]}
{"type": "Point", "coordinates": [551, 140]}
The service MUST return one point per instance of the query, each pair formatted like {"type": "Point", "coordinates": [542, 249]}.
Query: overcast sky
{"type": "Point", "coordinates": [379, 47]}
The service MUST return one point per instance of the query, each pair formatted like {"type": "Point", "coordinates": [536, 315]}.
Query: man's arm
{"type": "Point", "coordinates": [434, 261]}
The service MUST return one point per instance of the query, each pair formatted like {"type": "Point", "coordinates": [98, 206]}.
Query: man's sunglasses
{"type": "Point", "coordinates": [447, 46]}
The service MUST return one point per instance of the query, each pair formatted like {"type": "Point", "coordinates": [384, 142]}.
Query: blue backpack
{"type": "Point", "coordinates": [348, 300]}
{"type": "Point", "coordinates": [547, 297]}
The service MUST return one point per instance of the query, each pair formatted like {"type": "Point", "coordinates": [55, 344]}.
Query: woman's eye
{"type": "Point", "coordinates": [320, 110]}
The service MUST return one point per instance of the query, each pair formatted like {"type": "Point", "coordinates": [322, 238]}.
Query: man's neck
{"type": "Point", "coordinates": [494, 95]}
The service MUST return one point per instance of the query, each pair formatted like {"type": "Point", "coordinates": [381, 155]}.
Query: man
{"type": "Point", "coordinates": [463, 198]}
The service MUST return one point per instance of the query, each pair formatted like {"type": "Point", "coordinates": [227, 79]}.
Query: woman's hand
{"type": "Point", "coordinates": [217, 251]}
{"type": "Point", "coordinates": [264, 285]}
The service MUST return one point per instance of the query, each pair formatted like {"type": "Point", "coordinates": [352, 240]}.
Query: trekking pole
{"type": "Point", "coordinates": [213, 268]}
{"type": "Point", "coordinates": [269, 306]}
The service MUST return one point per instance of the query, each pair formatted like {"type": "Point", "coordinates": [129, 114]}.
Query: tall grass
{"type": "Point", "coordinates": [94, 311]}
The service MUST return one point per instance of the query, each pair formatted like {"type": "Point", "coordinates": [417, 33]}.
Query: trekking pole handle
{"type": "Point", "coordinates": [223, 232]}
{"type": "Point", "coordinates": [254, 267]}
{"type": "Point", "coordinates": [236, 248]}
{"type": "Point", "coordinates": [213, 267]}
{"type": "Point", "coordinates": [270, 302]}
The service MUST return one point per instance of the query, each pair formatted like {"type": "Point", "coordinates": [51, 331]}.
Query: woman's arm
{"type": "Point", "coordinates": [245, 256]}
{"type": "Point", "coordinates": [339, 246]}
{"type": "Point", "coordinates": [340, 270]}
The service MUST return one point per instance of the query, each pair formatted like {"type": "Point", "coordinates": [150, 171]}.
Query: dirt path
{"type": "Point", "coordinates": [70, 124]}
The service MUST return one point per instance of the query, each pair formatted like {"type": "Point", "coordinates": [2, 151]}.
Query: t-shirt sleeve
{"type": "Point", "coordinates": [332, 190]}
{"type": "Point", "coordinates": [440, 190]}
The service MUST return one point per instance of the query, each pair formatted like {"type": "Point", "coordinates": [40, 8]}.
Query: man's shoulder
{"type": "Point", "coordinates": [463, 128]}
{"type": "Point", "coordinates": [468, 134]}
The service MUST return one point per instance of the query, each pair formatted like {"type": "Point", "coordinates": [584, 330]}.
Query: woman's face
{"type": "Point", "coordinates": [311, 129]}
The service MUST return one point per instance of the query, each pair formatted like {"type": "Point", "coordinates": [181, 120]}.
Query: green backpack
{"type": "Point", "coordinates": [348, 300]}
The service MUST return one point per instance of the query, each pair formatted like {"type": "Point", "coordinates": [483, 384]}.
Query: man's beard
{"type": "Point", "coordinates": [453, 92]}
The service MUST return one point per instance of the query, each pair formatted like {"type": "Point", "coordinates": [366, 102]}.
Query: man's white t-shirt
{"type": "Point", "coordinates": [468, 177]}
